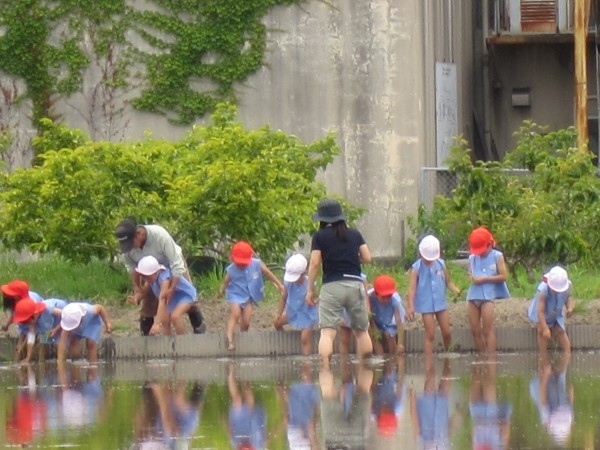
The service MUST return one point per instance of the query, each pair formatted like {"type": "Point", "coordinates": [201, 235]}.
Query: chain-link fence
{"type": "Point", "coordinates": [440, 181]}
{"type": "Point", "coordinates": [435, 181]}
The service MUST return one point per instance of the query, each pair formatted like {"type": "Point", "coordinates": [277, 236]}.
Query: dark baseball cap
{"type": "Point", "coordinates": [125, 232]}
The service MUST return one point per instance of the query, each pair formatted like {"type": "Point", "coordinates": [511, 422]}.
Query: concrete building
{"type": "Point", "coordinates": [396, 81]}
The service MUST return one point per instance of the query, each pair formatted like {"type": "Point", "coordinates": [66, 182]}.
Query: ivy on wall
{"type": "Point", "coordinates": [192, 52]}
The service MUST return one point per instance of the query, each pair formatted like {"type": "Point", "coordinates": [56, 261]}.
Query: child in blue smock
{"type": "Point", "coordinates": [244, 287]}
{"type": "Point", "coordinates": [40, 318]}
{"type": "Point", "coordinates": [429, 279]}
{"type": "Point", "coordinates": [81, 321]}
{"type": "Point", "coordinates": [387, 316]}
{"type": "Point", "coordinates": [488, 273]}
{"type": "Point", "coordinates": [548, 308]}
{"type": "Point", "coordinates": [170, 312]}
{"type": "Point", "coordinates": [293, 308]}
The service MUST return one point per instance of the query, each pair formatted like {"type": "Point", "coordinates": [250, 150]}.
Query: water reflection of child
{"type": "Point", "coordinates": [490, 418]}
{"type": "Point", "coordinates": [554, 398]}
{"type": "Point", "coordinates": [247, 420]}
{"type": "Point", "coordinates": [168, 415]}
{"type": "Point", "coordinates": [301, 402]}
{"type": "Point", "coordinates": [430, 410]}
{"type": "Point", "coordinates": [389, 393]}
{"type": "Point", "coordinates": [345, 409]}
{"type": "Point", "coordinates": [27, 419]}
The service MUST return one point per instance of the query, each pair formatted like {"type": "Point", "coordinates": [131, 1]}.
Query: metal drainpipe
{"type": "Point", "coordinates": [485, 59]}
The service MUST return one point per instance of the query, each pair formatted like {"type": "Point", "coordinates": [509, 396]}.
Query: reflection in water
{"type": "Point", "coordinates": [168, 416]}
{"type": "Point", "coordinates": [300, 402]}
{"type": "Point", "coordinates": [389, 394]}
{"type": "Point", "coordinates": [294, 403]}
{"type": "Point", "coordinates": [61, 401]}
{"type": "Point", "coordinates": [490, 417]}
{"type": "Point", "coordinates": [247, 420]}
{"type": "Point", "coordinates": [346, 406]}
{"type": "Point", "coordinates": [554, 398]}
{"type": "Point", "coordinates": [430, 410]}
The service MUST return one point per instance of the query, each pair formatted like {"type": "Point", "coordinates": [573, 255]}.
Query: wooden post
{"type": "Point", "coordinates": [582, 13]}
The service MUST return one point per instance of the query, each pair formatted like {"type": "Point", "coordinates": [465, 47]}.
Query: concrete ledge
{"type": "Point", "coordinates": [274, 343]}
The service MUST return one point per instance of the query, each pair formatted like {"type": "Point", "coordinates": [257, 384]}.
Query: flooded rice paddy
{"type": "Point", "coordinates": [453, 402]}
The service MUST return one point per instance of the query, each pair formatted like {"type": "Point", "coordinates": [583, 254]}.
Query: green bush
{"type": "Point", "coordinates": [221, 183]}
{"type": "Point", "coordinates": [546, 215]}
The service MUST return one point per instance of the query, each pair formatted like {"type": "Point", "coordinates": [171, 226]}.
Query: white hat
{"type": "Point", "coordinates": [294, 267]}
{"type": "Point", "coordinates": [71, 315]}
{"type": "Point", "coordinates": [429, 247]}
{"type": "Point", "coordinates": [558, 280]}
{"type": "Point", "coordinates": [148, 265]}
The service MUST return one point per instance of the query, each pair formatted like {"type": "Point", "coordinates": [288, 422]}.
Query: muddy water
{"type": "Point", "coordinates": [513, 402]}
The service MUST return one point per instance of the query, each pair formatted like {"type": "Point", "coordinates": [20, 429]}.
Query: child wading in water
{"type": "Point", "coordinates": [429, 279]}
{"type": "Point", "coordinates": [488, 273]}
{"type": "Point", "coordinates": [387, 316]}
{"type": "Point", "coordinates": [293, 308]}
{"type": "Point", "coordinates": [546, 309]}
{"type": "Point", "coordinates": [244, 287]}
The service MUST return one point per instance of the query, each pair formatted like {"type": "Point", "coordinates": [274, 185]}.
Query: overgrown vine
{"type": "Point", "coordinates": [194, 51]}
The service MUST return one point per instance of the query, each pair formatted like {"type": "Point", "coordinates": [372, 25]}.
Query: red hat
{"type": "Point", "coordinates": [479, 240]}
{"type": "Point", "coordinates": [26, 308]}
{"type": "Point", "coordinates": [16, 288]}
{"type": "Point", "coordinates": [241, 253]}
{"type": "Point", "coordinates": [384, 285]}
{"type": "Point", "coordinates": [387, 423]}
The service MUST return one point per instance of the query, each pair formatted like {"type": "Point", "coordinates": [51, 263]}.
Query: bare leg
{"type": "Point", "coordinates": [306, 341]}
{"type": "Point", "coordinates": [487, 323]}
{"type": "Point", "coordinates": [345, 339]}
{"type": "Point", "coordinates": [364, 346]}
{"type": "Point", "coordinates": [443, 319]}
{"type": "Point", "coordinates": [326, 344]}
{"type": "Point", "coordinates": [475, 322]}
{"type": "Point", "coordinates": [563, 339]}
{"type": "Point", "coordinates": [246, 316]}
{"type": "Point", "coordinates": [429, 326]}
{"type": "Point", "coordinates": [234, 315]}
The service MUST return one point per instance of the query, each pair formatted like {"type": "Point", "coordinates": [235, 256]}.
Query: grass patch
{"type": "Point", "coordinates": [99, 282]}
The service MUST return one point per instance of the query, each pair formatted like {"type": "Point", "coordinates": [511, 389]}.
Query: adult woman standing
{"type": "Point", "coordinates": [339, 251]}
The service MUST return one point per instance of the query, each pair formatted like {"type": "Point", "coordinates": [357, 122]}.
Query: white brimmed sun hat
{"type": "Point", "coordinates": [429, 248]}
{"type": "Point", "coordinates": [71, 316]}
{"type": "Point", "coordinates": [558, 279]}
{"type": "Point", "coordinates": [148, 265]}
{"type": "Point", "coordinates": [294, 267]}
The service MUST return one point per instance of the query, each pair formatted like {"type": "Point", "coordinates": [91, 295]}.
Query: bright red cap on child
{"type": "Point", "coordinates": [16, 288]}
{"type": "Point", "coordinates": [479, 240]}
{"type": "Point", "coordinates": [384, 285]}
{"type": "Point", "coordinates": [26, 308]}
{"type": "Point", "coordinates": [241, 253]}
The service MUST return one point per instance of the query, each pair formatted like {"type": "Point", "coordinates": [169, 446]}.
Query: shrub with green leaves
{"type": "Point", "coordinates": [545, 216]}
{"type": "Point", "coordinates": [222, 182]}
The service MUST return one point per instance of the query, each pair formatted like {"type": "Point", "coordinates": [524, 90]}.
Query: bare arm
{"type": "Point", "coordinates": [272, 278]}
{"type": "Point", "coordinates": [101, 311]}
{"type": "Point", "coordinates": [313, 269]}
{"type": "Point", "coordinates": [410, 299]}
{"type": "Point", "coordinates": [541, 310]}
{"type": "Point", "coordinates": [224, 285]}
{"type": "Point", "coordinates": [365, 254]}
{"type": "Point", "coordinates": [450, 284]}
{"type": "Point", "coordinates": [570, 304]}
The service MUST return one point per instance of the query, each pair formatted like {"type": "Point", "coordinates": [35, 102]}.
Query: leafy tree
{"type": "Point", "coordinates": [544, 215]}
{"type": "Point", "coordinates": [221, 183]}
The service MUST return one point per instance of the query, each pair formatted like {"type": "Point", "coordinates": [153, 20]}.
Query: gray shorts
{"type": "Point", "coordinates": [339, 295]}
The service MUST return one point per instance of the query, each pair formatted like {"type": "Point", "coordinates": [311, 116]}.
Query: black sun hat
{"type": "Point", "coordinates": [329, 211]}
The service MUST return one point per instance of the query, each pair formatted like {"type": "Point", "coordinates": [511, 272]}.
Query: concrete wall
{"type": "Point", "coordinates": [365, 71]}
{"type": "Point", "coordinates": [551, 96]}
